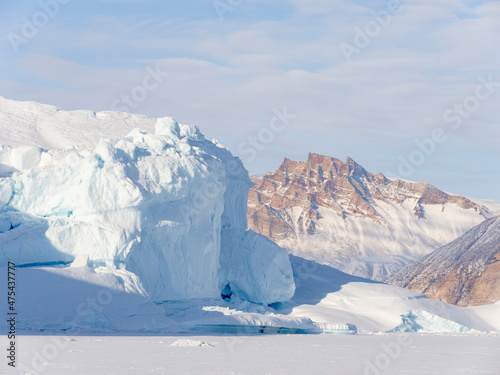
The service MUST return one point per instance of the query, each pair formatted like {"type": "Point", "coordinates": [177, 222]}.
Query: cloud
{"type": "Point", "coordinates": [228, 76]}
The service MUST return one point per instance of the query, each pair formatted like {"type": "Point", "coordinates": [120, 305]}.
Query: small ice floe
{"type": "Point", "coordinates": [191, 343]}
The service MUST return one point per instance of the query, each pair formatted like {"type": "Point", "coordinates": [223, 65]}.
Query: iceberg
{"type": "Point", "coordinates": [247, 256]}
{"type": "Point", "coordinates": [169, 207]}
{"type": "Point", "coordinates": [424, 321]}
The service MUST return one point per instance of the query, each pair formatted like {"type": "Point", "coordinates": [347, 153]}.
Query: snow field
{"type": "Point", "coordinates": [411, 354]}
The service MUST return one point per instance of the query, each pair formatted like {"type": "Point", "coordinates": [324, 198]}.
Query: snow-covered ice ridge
{"type": "Point", "coordinates": [168, 206]}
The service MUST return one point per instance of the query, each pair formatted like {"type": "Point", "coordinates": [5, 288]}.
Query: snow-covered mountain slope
{"type": "Point", "coordinates": [364, 224]}
{"type": "Point", "coordinates": [464, 272]}
{"type": "Point", "coordinates": [156, 204]}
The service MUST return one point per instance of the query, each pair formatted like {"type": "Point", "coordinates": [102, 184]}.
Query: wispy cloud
{"type": "Point", "coordinates": [228, 76]}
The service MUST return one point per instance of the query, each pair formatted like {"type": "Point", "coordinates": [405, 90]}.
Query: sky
{"type": "Point", "coordinates": [407, 88]}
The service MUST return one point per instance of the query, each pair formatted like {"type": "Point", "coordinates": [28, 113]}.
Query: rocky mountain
{"type": "Point", "coordinates": [465, 272]}
{"type": "Point", "coordinates": [339, 214]}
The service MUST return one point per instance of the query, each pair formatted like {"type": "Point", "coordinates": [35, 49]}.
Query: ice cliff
{"type": "Point", "coordinates": [169, 207]}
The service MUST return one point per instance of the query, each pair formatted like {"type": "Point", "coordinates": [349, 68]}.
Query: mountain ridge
{"type": "Point", "coordinates": [289, 206]}
{"type": "Point", "coordinates": [465, 272]}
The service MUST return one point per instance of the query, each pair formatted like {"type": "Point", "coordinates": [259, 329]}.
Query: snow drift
{"type": "Point", "coordinates": [158, 205]}
{"type": "Point", "coordinates": [78, 300]}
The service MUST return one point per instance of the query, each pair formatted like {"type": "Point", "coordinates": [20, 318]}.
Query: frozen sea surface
{"type": "Point", "coordinates": [414, 354]}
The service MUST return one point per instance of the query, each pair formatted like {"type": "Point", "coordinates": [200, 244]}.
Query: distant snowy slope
{"type": "Point", "coordinates": [464, 272]}
{"type": "Point", "coordinates": [365, 224]}
{"type": "Point", "coordinates": [493, 206]}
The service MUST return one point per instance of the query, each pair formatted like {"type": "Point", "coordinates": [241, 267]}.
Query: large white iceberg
{"type": "Point", "coordinates": [158, 205]}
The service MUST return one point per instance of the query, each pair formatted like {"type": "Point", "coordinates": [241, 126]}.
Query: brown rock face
{"type": "Point", "coordinates": [465, 272]}
{"type": "Point", "coordinates": [284, 204]}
